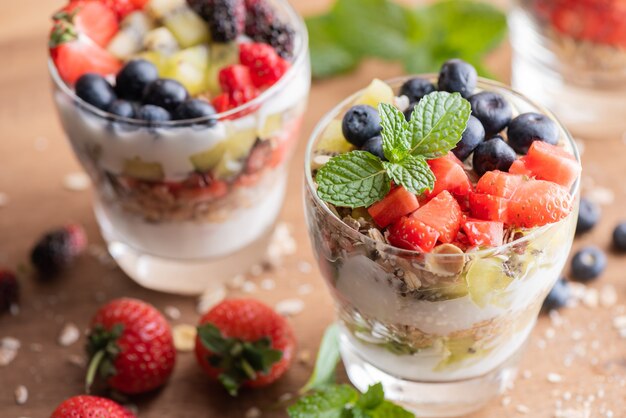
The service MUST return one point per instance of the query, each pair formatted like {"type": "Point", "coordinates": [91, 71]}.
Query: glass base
{"type": "Point", "coordinates": [185, 277]}
{"type": "Point", "coordinates": [431, 399]}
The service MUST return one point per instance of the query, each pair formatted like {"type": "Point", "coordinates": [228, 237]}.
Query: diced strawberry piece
{"type": "Point", "coordinates": [239, 97]}
{"type": "Point", "coordinates": [396, 204]}
{"type": "Point", "coordinates": [484, 233]}
{"type": "Point", "coordinates": [222, 103]}
{"type": "Point", "coordinates": [499, 183]}
{"type": "Point", "coordinates": [537, 203]}
{"type": "Point", "coordinates": [75, 58]}
{"type": "Point", "coordinates": [488, 207]}
{"type": "Point", "coordinates": [266, 66]}
{"type": "Point", "coordinates": [140, 4]}
{"type": "Point", "coordinates": [450, 176]}
{"type": "Point", "coordinates": [412, 234]}
{"type": "Point", "coordinates": [234, 78]}
{"type": "Point", "coordinates": [442, 213]}
{"type": "Point", "coordinates": [93, 19]}
{"type": "Point", "coordinates": [552, 163]}
{"type": "Point", "coordinates": [519, 167]}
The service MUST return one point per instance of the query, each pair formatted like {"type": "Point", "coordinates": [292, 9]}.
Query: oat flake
{"type": "Point", "coordinates": [290, 307]}
{"type": "Point", "coordinates": [21, 395]}
{"type": "Point", "coordinates": [253, 412]}
{"type": "Point", "coordinates": [69, 335]}
{"type": "Point", "coordinates": [76, 182]}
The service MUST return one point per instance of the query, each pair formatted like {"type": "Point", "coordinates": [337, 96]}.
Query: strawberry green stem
{"type": "Point", "coordinates": [94, 365]}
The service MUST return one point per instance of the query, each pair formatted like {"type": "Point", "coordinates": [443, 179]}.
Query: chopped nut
{"type": "Point", "coordinates": [411, 280]}
{"type": "Point", "coordinates": [304, 357]}
{"type": "Point", "coordinates": [21, 395]}
{"type": "Point", "coordinates": [184, 337]}
{"type": "Point", "coordinates": [69, 335]}
{"type": "Point", "coordinates": [253, 412]}
{"type": "Point", "coordinates": [290, 307]}
{"type": "Point", "coordinates": [445, 260]}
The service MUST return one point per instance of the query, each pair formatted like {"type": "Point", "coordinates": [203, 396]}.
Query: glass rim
{"type": "Point", "coordinates": [300, 58]}
{"type": "Point", "coordinates": [484, 84]}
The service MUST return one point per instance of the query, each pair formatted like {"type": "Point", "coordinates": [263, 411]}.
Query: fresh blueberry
{"type": "Point", "coordinates": [416, 88]}
{"type": "Point", "coordinates": [588, 264]}
{"type": "Point", "coordinates": [95, 90]}
{"type": "Point", "coordinates": [530, 127]}
{"type": "Point", "coordinates": [473, 135]}
{"type": "Point", "coordinates": [122, 108]}
{"type": "Point", "coordinates": [619, 237]}
{"type": "Point", "coordinates": [458, 76]}
{"type": "Point", "coordinates": [588, 216]}
{"type": "Point", "coordinates": [409, 111]}
{"type": "Point", "coordinates": [152, 113]}
{"type": "Point", "coordinates": [492, 110]}
{"type": "Point", "coordinates": [195, 108]}
{"type": "Point", "coordinates": [558, 296]}
{"type": "Point", "coordinates": [165, 93]}
{"type": "Point", "coordinates": [360, 123]}
{"type": "Point", "coordinates": [374, 145]}
{"type": "Point", "coordinates": [493, 154]}
{"type": "Point", "coordinates": [132, 80]}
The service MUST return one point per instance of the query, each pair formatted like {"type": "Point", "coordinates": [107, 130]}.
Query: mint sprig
{"type": "Point", "coordinates": [359, 179]}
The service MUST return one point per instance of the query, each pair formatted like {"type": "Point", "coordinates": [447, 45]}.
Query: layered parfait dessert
{"type": "Point", "coordinates": [571, 54]}
{"type": "Point", "coordinates": [185, 114]}
{"type": "Point", "coordinates": [441, 211]}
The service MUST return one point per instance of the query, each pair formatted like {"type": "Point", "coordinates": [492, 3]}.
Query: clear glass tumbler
{"type": "Point", "coordinates": [442, 331]}
{"type": "Point", "coordinates": [183, 205]}
{"type": "Point", "coordinates": [570, 55]}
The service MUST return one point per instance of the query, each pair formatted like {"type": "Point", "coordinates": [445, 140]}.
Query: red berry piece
{"type": "Point", "coordinates": [265, 65]}
{"type": "Point", "coordinates": [398, 203]}
{"type": "Point", "coordinates": [484, 233]}
{"type": "Point", "coordinates": [488, 207]}
{"type": "Point", "coordinates": [243, 342]}
{"type": "Point", "coordinates": [86, 406]}
{"type": "Point", "coordinates": [450, 176]}
{"type": "Point", "coordinates": [537, 203]}
{"type": "Point", "coordinates": [130, 346]}
{"type": "Point", "coordinates": [552, 163]}
{"type": "Point", "coordinates": [499, 183]}
{"type": "Point", "coordinates": [235, 78]}
{"type": "Point", "coordinates": [9, 290]}
{"type": "Point", "coordinates": [442, 213]}
{"type": "Point", "coordinates": [57, 249]}
{"type": "Point", "coordinates": [411, 234]}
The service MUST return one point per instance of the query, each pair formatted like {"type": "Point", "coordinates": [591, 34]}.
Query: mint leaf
{"type": "Point", "coordinates": [395, 132]}
{"type": "Point", "coordinates": [413, 173]}
{"type": "Point", "coordinates": [326, 362]}
{"type": "Point", "coordinates": [353, 180]}
{"type": "Point", "coordinates": [372, 398]}
{"type": "Point", "coordinates": [328, 56]}
{"type": "Point", "coordinates": [389, 410]}
{"type": "Point", "coordinates": [330, 402]}
{"type": "Point", "coordinates": [437, 123]}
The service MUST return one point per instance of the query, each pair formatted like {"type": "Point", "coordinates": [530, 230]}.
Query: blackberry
{"type": "Point", "coordinates": [226, 18]}
{"type": "Point", "coordinates": [56, 249]}
{"type": "Point", "coordinates": [259, 16]}
{"type": "Point", "coordinates": [281, 37]}
{"type": "Point", "coordinates": [263, 26]}
{"type": "Point", "coordinates": [9, 290]}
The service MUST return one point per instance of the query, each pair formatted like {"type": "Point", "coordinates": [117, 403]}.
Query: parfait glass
{"type": "Point", "coordinates": [571, 57]}
{"type": "Point", "coordinates": [184, 205]}
{"type": "Point", "coordinates": [442, 331]}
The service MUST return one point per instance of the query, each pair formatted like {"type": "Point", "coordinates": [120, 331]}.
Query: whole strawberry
{"type": "Point", "coordinates": [56, 249]}
{"type": "Point", "coordinates": [242, 342]}
{"type": "Point", "coordinates": [130, 346]}
{"type": "Point", "coordinates": [85, 406]}
{"type": "Point", "coordinates": [9, 290]}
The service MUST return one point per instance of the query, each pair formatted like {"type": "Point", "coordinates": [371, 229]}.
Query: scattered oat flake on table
{"type": "Point", "coordinates": [506, 401]}
{"type": "Point", "coordinates": [76, 182]}
{"type": "Point", "coordinates": [253, 412]}
{"type": "Point", "coordinates": [249, 287]}
{"type": "Point", "coordinates": [305, 289]}
{"type": "Point", "coordinates": [69, 335]}
{"type": "Point", "coordinates": [236, 282]}
{"type": "Point", "coordinates": [77, 360]}
{"type": "Point", "coordinates": [21, 395]}
{"type": "Point", "coordinates": [554, 378]}
{"type": "Point", "coordinates": [4, 199]}
{"type": "Point", "coordinates": [172, 312]}
{"type": "Point", "coordinates": [268, 284]}
{"type": "Point", "coordinates": [210, 298]}
{"type": "Point", "coordinates": [184, 337]}
{"type": "Point", "coordinates": [304, 356]}
{"type": "Point", "coordinates": [522, 409]}
{"type": "Point", "coordinates": [290, 307]}
{"type": "Point", "coordinates": [304, 267]}
{"type": "Point", "coordinates": [9, 348]}
{"type": "Point", "coordinates": [608, 296]}
{"type": "Point", "coordinates": [601, 195]}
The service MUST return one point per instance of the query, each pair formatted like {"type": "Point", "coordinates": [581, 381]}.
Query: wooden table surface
{"type": "Point", "coordinates": [575, 363]}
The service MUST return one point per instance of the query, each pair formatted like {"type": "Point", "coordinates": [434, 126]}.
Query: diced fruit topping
{"type": "Point", "coordinates": [537, 203]}
{"type": "Point", "coordinates": [57, 249]}
{"type": "Point", "coordinates": [222, 103]}
{"type": "Point", "coordinates": [265, 65]}
{"type": "Point", "coordinates": [458, 76]}
{"type": "Point", "coordinates": [442, 213]}
{"type": "Point", "coordinates": [161, 40]}
{"type": "Point", "coordinates": [90, 18]}
{"type": "Point", "coordinates": [588, 264]}
{"type": "Point", "coordinates": [360, 123]}
{"type": "Point", "coordinates": [153, 114]}
{"type": "Point", "coordinates": [588, 215]}
{"type": "Point", "coordinates": [552, 163]}
{"type": "Point", "coordinates": [142, 170]}
{"type": "Point", "coordinates": [416, 88]}
{"type": "Point", "coordinates": [132, 80]}
{"type": "Point", "coordinates": [377, 92]}
{"type": "Point", "coordinates": [259, 15]}
{"type": "Point", "coordinates": [473, 135]}
{"type": "Point", "coordinates": [280, 36]}
{"type": "Point", "coordinates": [235, 78]}
{"type": "Point", "coordinates": [488, 207]}
{"type": "Point", "coordinates": [399, 202]}
{"type": "Point", "coordinates": [128, 41]}
{"type": "Point", "coordinates": [243, 342]}
{"type": "Point", "coordinates": [558, 297]}
{"type": "Point", "coordinates": [484, 233]}
{"type": "Point", "coordinates": [411, 234]}
{"type": "Point", "coordinates": [519, 167]}
{"type": "Point", "coordinates": [498, 183]}
{"type": "Point", "coordinates": [122, 108]}
{"type": "Point", "coordinates": [122, 8]}
{"type": "Point", "coordinates": [95, 90]}
{"type": "Point", "coordinates": [493, 154]}
{"type": "Point", "coordinates": [187, 27]}
{"type": "Point", "coordinates": [84, 406]}
{"type": "Point", "coordinates": [619, 237]}
{"type": "Point", "coordinates": [486, 280]}
{"type": "Point", "coordinates": [195, 108]}
{"type": "Point", "coordinates": [190, 67]}
{"type": "Point", "coordinates": [530, 127]}
{"type": "Point", "coordinates": [333, 141]}
{"type": "Point", "coordinates": [165, 93]}
{"type": "Point", "coordinates": [492, 110]}
{"type": "Point", "coordinates": [226, 18]}
{"type": "Point", "coordinates": [9, 290]}
{"type": "Point", "coordinates": [374, 146]}
{"type": "Point", "coordinates": [450, 176]}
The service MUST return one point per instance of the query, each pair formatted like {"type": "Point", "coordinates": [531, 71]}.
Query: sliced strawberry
{"type": "Point", "coordinates": [75, 58]}
{"type": "Point", "coordinates": [488, 207]}
{"type": "Point", "coordinates": [450, 176]}
{"type": "Point", "coordinates": [412, 234]}
{"type": "Point", "coordinates": [92, 19]}
{"type": "Point", "coordinates": [442, 213]}
{"type": "Point", "coordinates": [266, 66]}
{"type": "Point", "coordinates": [235, 78]}
{"type": "Point", "coordinates": [552, 163]}
{"type": "Point", "coordinates": [499, 183]}
{"type": "Point", "coordinates": [519, 167]}
{"type": "Point", "coordinates": [537, 203]}
{"type": "Point", "coordinates": [396, 204]}
{"type": "Point", "coordinates": [484, 233]}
